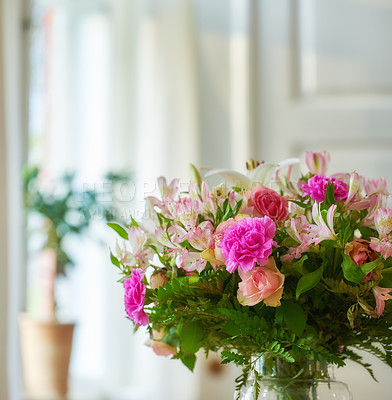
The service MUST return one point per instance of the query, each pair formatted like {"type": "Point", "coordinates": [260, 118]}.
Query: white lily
{"type": "Point", "coordinates": [261, 175]}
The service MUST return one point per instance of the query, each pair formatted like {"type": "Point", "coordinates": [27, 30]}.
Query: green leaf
{"type": "Point", "coordinates": [309, 281]}
{"type": "Point", "coordinates": [119, 229]}
{"type": "Point", "coordinates": [295, 268]}
{"type": "Point", "coordinates": [115, 261]}
{"type": "Point", "coordinates": [369, 267]}
{"type": "Point", "coordinates": [330, 194]}
{"type": "Point", "coordinates": [351, 271]}
{"type": "Point", "coordinates": [279, 315]}
{"type": "Point", "coordinates": [188, 360]}
{"type": "Point", "coordinates": [195, 175]}
{"type": "Point", "coordinates": [236, 358]}
{"type": "Point", "coordinates": [133, 222]}
{"type": "Point", "coordinates": [191, 335]}
{"type": "Point", "coordinates": [294, 317]}
{"type": "Point", "coordinates": [386, 280]}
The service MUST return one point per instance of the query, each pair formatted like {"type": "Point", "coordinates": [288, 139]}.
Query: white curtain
{"type": "Point", "coordinates": [163, 123]}
{"type": "Point", "coordinates": [12, 132]}
{"type": "Point", "coordinates": [145, 85]}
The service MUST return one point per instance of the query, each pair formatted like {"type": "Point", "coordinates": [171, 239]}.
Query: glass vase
{"type": "Point", "coordinates": [280, 380]}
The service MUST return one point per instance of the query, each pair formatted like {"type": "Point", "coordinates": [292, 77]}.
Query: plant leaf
{"type": "Point", "coordinates": [351, 271]}
{"type": "Point", "coordinates": [294, 317]}
{"type": "Point", "coordinates": [119, 229]}
{"type": "Point", "coordinates": [309, 281]}
{"type": "Point", "coordinates": [188, 360]}
{"type": "Point", "coordinates": [191, 335]}
{"type": "Point", "coordinates": [114, 260]}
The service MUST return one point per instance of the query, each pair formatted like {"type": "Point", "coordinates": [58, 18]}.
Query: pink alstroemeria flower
{"type": "Point", "coordinates": [208, 204]}
{"type": "Point", "coordinates": [137, 238]}
{"type": "Point", "coordinates": [203, 199]}
{"type": "Point", "coordinates": [317, 163]}
{"type": "Point", "coordinates": [177, 234]}
{"type": "Point", "coordinates": [322, 230]}
{"type": "Point", "coordinates": [383, 222]}
{"type": "Point", "coordinates": [186, 211]}
{"type": "Point", "coordinates": [161, 235]}
{"type": "Point", "coordinates": [202, 237]}
{"type": "Point", "coordinates": [298, 229]}
{"type": "Point", "coordinates": [372, 186]}
{"type": "Point", "coordinates": [167, 191]}
{"type": "Point", "coordinates": [383, 246]}
{"type": "Point", "coordinates": [372, 204]}
{"type": "Point", "coordinates": [381, 295]}
{"type": "Point", "coordinates": [354, 187]}
{"type": "Point", "coordinates": [191, 261]}
{"type": "Point", "coordinates": [133, 253]}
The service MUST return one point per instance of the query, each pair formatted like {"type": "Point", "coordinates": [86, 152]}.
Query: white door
{"type": "Point", "coordinates": [325, 83]}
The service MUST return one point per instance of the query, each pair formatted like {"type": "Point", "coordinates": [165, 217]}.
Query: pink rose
{"type": "Point", "coordinates": [263, 283]}
{"type": "Point", "coordinates": [269, 203]}
{"type": "Point", "coordinates": [247, 243]}
{"type": "Point", "coordinates": [360, 251]}
{"type": "Point", "coordinates": [134, 296]}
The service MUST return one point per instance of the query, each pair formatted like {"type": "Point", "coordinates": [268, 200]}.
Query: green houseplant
{"type": "Point", "coordinates": [59, 210]}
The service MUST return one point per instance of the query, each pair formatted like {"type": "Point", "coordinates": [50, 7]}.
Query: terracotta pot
{"type": "Point", "coordinates": [46, 351]}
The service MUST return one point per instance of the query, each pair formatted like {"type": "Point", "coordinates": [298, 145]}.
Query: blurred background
{"type": "Point", "coordinates": [141, 88]}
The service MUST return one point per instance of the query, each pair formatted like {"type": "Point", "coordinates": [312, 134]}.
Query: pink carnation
{"type": "Point", "coordinates": [247, 243]}
{"type": "Point", "coordinates": [134, 296]}
{"type": "Point", "coordinates": [316, 188]}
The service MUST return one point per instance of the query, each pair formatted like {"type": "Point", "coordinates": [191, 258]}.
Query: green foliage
{"type": "Point", "coordinates": [114, 260]}
{"type": "Point", "coordinates": [386, 280]}
{"type": "Point", "coordinates": [225, 211]}
{"type": "Point", "coordinates": [355, 273]}
{"type": "Point", "coordinates": [230, 356]}
{"type": "Point", "coordinates": [191, 335]}
{"type": "Point", "coordinates": [292, 315]}
{"type": "Point", "coordinates": [329, 195]}
{"type": "Point", "coordinates": [119, 229]}
{"type": "Point", "coordinates": [309, 281]}
{"type": "Point", "coordinates": [64, 209]}
{"type": "Point", "coordinates": [242, 380]}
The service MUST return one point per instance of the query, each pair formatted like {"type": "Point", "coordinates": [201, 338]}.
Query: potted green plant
{"type": "Point", "coordinates": [59, 210]}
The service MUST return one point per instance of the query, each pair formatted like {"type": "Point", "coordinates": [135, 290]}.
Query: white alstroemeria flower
{"type": "Point", "coordinates": [323, 230]}
{"type": "Point", "coordinates": [136, 238]}
{"type": "Point", "coordinates": [261, 175]}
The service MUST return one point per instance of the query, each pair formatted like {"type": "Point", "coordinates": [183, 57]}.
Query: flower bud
{"type": "Point", "coordinates": [317, 162]}
{"type": "Point", "coordinates": [158, 279]}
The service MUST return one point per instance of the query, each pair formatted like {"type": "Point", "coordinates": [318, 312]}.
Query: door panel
{"type": "Point", "coordinates": [325, 84]}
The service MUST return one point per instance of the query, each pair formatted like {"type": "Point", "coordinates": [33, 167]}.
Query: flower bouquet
{"type": "Point", "coordinates": [293, 270]}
